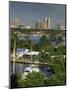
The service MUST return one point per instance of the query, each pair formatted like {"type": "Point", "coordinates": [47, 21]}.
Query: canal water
{"type": "Point", "coordinates": [20, 68]}
{"type": "Point", "coordinates": [34, 38]}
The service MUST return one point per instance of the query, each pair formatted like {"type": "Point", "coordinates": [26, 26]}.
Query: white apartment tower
{"type": "Point", "coordinates": [43, 24]}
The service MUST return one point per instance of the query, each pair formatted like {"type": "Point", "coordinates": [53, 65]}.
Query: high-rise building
{"type": "Point", "coordinates": [43, 24]}
{"type": "Point", "coordinates": [58, 25]}
{"type": "Point", "coordinates": [38, 24]}
{"type": "Point", "coordinates": [15, 23]}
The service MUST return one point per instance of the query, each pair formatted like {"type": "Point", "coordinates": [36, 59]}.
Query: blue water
{"type": "Point", "coordinates": [34, 38]}
{"type": "Point", "coordinates": [43, 68]}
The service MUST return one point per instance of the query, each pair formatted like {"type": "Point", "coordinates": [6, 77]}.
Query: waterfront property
{"type": "Point", "coordinates": [37, 45]}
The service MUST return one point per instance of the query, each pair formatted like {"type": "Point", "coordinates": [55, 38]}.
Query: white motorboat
{"type": "Point", "coordinates": [30, 69]}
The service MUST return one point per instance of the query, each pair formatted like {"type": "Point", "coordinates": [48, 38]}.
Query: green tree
{"type": "Point", "coordinates": [36, 47]}
{"type": "Point", "coordinates": [34, 57]}
{"type": "Point", "coordinates": [34, 79]}
{"type": "Point", "coordinates": [44, 41]}
{"type": "Point", "coordinates": [44, 57]}
{"type": "Point", "coordinates": [58, 77]}
{"type": "Point", "coordinates": [61, 50]}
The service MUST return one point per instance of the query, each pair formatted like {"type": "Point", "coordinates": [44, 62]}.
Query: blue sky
{"type": "Point", "coordinates": [29, 13]}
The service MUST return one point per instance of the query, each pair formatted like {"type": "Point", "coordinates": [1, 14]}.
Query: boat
{"type": "Point", "coordinates": [31, 68]}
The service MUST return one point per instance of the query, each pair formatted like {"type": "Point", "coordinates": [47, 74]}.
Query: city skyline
{"type": "Point", "coordinates": [29, 13]}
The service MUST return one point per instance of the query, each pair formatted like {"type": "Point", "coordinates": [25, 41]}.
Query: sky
{"type": "Point", "coordinates": [29, 13]}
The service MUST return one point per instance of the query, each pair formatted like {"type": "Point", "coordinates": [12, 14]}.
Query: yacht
{"type": "Point", "coordinates": [30, 69]}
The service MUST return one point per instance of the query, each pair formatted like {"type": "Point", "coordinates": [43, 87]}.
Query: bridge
{"type": "Point", "coordinates": [28, 61]}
